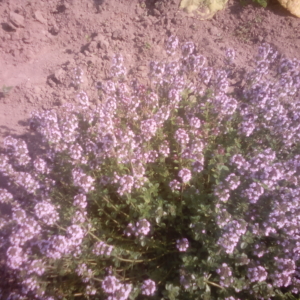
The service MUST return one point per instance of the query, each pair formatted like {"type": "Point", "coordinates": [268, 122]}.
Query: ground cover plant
{"type": "Point", "coordinates": [183, 189]}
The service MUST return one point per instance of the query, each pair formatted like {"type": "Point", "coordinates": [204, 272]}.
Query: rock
{"type": "Point", "coordinates": [147, 22]}
{"type": "Point", "coordinates": [260, 38]}
{"type": "Point", "coordinates": [293, 6]}
{"type": "Point", "coordinates": [156, 12]}
{"type": "Point", "coordinates": [59, 75]}
{"type": "Point", "coordinates": [214, 31]}
{"type": "Point", "coordinates": [142, 68]}
{"type": "Point", "coordinates": [205, 11]}
{"type": "Point", "coordinates": [16, 19]}
{"type": "Point", "coordinates": [36, 90]}
{"type": "Point", "coordinates": [54, 30]}
{"type": "Point", "coordinates": [9, 26]}
{"type": "Point", "coordinates": [102, 42]}
{"type": "Point", "coordinates": [92, 47]}
{"type": "Point", "coordinates": [139, 10]}
{"type": "Point", "coordinates": [29, 98]}
{"type": "Point", "coordinates": [27, 37]}
{"type": "Point", "coordinates": [117, 35]}
{"type": "Point", "coordinates": [39, 17]}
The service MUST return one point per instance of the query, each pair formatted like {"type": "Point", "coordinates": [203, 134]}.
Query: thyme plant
{"type": "Point", "coordinates": [183, 189]}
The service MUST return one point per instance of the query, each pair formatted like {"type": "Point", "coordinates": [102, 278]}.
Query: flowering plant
{"type": "Point", "coordinates": [184, 189]}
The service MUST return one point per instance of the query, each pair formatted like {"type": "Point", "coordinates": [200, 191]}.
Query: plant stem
{"type": "Point", "coordinates": [143, 260]}
{"type": "Point", "coordinates": [60, 227]}
{"type": "Point", "coordinates": [94, 236]}
{"type": "Point", "coordinates": [214, 284]}
{"type": "Point", "coordinates": [129, 260]}
{"type": "Point", "coordinates": [116, 209]}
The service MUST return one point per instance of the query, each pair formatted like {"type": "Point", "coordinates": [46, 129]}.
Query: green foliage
{"type": "Point", "coordinates": [263, 3]}
{"type": "Point", "coordinates": [5, 90]}
{"type": "Point", "coordinates": [186, 244]}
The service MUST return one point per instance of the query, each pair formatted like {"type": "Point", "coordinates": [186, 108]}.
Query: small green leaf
{"type": "Point", "coordinates": [263, 3]}
{"type": "Point", "coordinates": [244, 245]}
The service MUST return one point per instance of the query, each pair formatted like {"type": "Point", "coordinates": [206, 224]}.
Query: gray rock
{"type": "Point", "coordinates": [93, 46]}
{"type": "Point", "coordinates": [102, 42]}
{"type": "Point", "coordinates": [16, 19]}
{"type": "Point", "coordinates": [27, 37]}
{"type": "Point", "coordinates": [139, 10]}
{"type": "Point", "coordinates": [117, 35]}
{"type": "Point", "coordinates": [156, 12]}
{"type": "Point", "coordinates": [54, 30]}
{"type": "Point", "coordinates": [142, 68]}
{"type": "Point", "coordinates": [39, 17]}
{"type": "Point", "coordinates": [214, 31]}
{"type": "Point", "coordinates": [59, 75]}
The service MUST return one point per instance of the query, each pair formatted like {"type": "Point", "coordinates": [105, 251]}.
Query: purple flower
{"type": "Point", "coordinates": [185, 175]}
{"type": "Point", "coordinates": [110, 284]}
{"type": "Point", "coordinates": [82, 180]}
{"type": "Point", "coordinates": [56, 246]}
{"type": "Point", "coordinates": [232, 181]}
{"type": "Point", "coordinates": [84, 272]}
{"type": "Point", "coordinates": [225, 274]}
{"type": "Point", "coordinates": [83, 99]}
{"type": "Point", "coordinates": [126, 184]}
{"type": "Point", "coordinates": [15, 257]}
{"type": "Point", "coordinates": [24, 232]}
{"type": "Point", "coordinates": [164, 149]}
{"type": "Point", "coordinates": [41, 166]}
{"type": "Point", "coordinates": [122, 293]}
{"type": "Point", "coordinates": [19, 215]}
{"type": "Point", "coordinates": [36, 266]}
{"type": "Point", "coordinates": [231, 236]}
{"type": "Point", "coordinates": [142, 227]}
{"type": "Point", "coordinates": [187, 48]}
{"type": "Point", "coordinates": [172, 44]}
{"type": "Point", "coordinates": [101, 248]}
{"type": "Point", "coordinates": [230, 54]}
{"type": "Point", "coordinates": [46, 212]}
{"type": "Point", "coordinates": [148, 287]}
{"type": "Point", "coordinates": [182, 136]}
{"type": "Point", "coordinates": [174, 185]}
{"type": "Point", "coordinates": [76, 152]}
{"type": "Point", "coordinates": [257, 274]}
{"type": "Point", "coordinates": [90, 290]}
{"type": "Point", "coordinates": [187, 280]}
{"type": "Point", "coordinates": [80, 201]}
{"type": "Point", "coordinates": [182, 244]}
{"type": "Point", "coordinates": [221, 192]}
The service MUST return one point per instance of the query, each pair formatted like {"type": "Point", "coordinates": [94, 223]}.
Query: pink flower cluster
{"type": "Point", "coordinates": [141, 228]}
{"type": "Point", "coordinates": [115, 289]}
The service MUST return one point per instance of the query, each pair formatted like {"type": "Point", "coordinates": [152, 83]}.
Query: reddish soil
{"type": "Point", "coordinates": [43, 41]}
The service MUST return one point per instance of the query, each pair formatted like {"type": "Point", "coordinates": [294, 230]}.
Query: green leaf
{"type": "Point", "coordinates": [200, 283]}
{"type": "Point", "coordinates": [172, 210]}
{"type": "Point", "coordinates": [223, 167]}
{"type": "Point", "coordinates": [134, 293]}
{"type": "Point", "coordinates": [244, 245]}
{"type": "Point", "coordinates": [206, 294]}
{"type": "Point", "coordinates": [173, 291]}
{"type": "Point", "coordinates": [263, 3]}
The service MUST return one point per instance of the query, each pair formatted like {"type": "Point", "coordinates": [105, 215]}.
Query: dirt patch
{"type": "Point", "coordinates": [44, 43]}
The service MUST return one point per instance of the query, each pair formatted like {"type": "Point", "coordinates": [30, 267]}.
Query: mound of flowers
{"type": "Point", "coordinates": [183, 189]}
